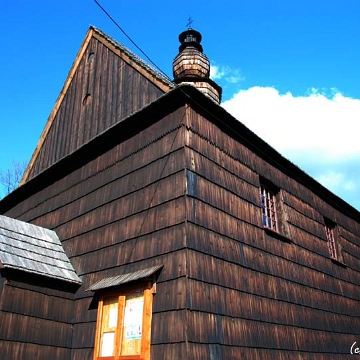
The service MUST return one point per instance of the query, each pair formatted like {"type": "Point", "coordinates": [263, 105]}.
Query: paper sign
{"type": "Point", "coordinates": [113, 315]}
{"type": "Point", "coordinates": [107, 346]}
{"type": "Point", "coordinates": [133, 318]}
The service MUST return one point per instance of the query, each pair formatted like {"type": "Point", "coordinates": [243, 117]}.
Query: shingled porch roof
{"type": "Point", "coordinates": [33, 249]}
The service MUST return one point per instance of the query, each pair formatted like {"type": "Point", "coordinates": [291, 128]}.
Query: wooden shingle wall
{"type": "Point", "coordinates": [103, 91]}
{"type": "Point", "coordinates": [36, 319]}
{"type": "Point", "coordinates": [253, 295]}
{"type": "Point", "coordinates": [126, 206]}
{"type": "Point", "coordinates": [183, 193]}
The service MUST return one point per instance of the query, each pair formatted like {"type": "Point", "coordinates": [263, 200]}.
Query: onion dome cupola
{"type": "Point", "coordinates": [191, 66]}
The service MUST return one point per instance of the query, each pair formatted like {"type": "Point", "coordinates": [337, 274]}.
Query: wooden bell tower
{"type": "Point", "coordinates": [191, 66]}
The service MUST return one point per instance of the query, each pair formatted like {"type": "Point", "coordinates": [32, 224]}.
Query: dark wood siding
{"type": "Point", "coordinates": [184, 193]}
{"type": "Point", "coordinates": [122, 212]}
{"type": "Point", "coordinates": [36, 321]}
{"type": "Point", "coordinates": [253, 294]}
{"type": "Point", "coordinates": [103, 91]}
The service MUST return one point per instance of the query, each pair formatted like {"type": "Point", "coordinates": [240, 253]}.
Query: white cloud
{"type": "Point", "coordinates": [226, 74]}
{"type": "Point", "coordinates": [318, 131]}
{"type": "Point", "coordinates": [312, 124]}
{"type": "Point", "coordinates": [336, 181]}
{"type": "Point", "coordinates": [216, 72]}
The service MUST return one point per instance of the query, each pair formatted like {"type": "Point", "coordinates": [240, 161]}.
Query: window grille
{"type": "Point", "coordinates": [268, 208]}
{"type": "Point", "coordinates": [329, 230]}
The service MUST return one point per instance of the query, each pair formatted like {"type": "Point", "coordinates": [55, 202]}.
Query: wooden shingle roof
{"type": "Point", "coordinates": [34, 249]}
{"type": "Point", "coordinates": [124, 278]}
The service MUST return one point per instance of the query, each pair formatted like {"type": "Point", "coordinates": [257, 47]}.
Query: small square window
{"type": "Point", "coordinates": [268, 208]}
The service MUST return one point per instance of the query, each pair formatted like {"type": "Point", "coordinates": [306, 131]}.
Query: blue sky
{"type": "Point", "coordinates": [290, 70]}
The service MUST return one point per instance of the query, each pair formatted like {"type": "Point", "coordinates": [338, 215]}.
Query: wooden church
{"type": "Point", "coordinates": [151, 224]}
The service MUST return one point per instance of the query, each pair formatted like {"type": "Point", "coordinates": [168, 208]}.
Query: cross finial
{"type": "Point", "coordinates": [189, 22]}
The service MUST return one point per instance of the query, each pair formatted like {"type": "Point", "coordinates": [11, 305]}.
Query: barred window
{"type": "Point", "coordinates": [331, 241]}
{"type": "Point", "coordinates": [268, 208]}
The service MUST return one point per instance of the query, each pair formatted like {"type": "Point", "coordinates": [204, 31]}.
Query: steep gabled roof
{"type": "Point", "coordinates": [156, 78]}
{"type": "Point", "coordinates": [33, 249]}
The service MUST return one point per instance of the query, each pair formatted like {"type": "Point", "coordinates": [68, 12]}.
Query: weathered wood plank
{"type": "Point", "coordinates": [235, 353]}
{"type": "Point", "coordinates": [262, 335]}
{"type": "Point", "coordinates": [209, 269]}
{"type": "Point", "coordinates": [234, 248]}
{"type": "Point", "coordinates": [119, 226]}
{"type": "Point", "coordinates": [169, 327]}
{"type": "Point", "coordinates": [49, 309]}
{"type": "Point", "coordinates": [113, 203]}
{"type": "Point", "coordinates": [215, 299]}
{"type": "Point", "coordinates": [170, 295]}
{"type": "Point", "coordinates": [15, 327]}
{"type": "Point", "coordinates": [18, 350]}
{"type": "Point", "coordinates": [307, 224]}
{"type": "Point", "coordinates": [224, 159]}
{"type": "Point", "coordinates": [82, 354]}
{"type": "Point", "coordinates": [84, 335]}
{"type": "Point", "coordinates": [222, 199]}
{"type": "Point", "coordinates": [137, 249]}
{"type": "Point", "coordinates": [85, 309]}
{"type": "Point", "coordinates": [238, 148]}
{"type": "Point", "coordinates": [241, 332]}
{"type": "Point", "coordinates": [301, 207]}
{"type": "Point", "coordinates": [174, 267]}
{"type": "Point", "coordinates": [234, 182]}
{"type": "Point", "coordinates": [131, 92]}
{"type": "Point", "coordinates": [174, 351]}
{"type": "Point", "coordinates": [120, 160]}
{"type": "Point", "coordinates": [41, 284]}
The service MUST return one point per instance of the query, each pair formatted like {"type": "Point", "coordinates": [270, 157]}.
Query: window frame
{"type": "Point", "coordinates": [281, 230]}
{"type": "Point", "coordinates": [268, 198]}
{"type": "Point", "coordinates": [332, 239]}
{"type": "Point", "coordinates": [147, 290]}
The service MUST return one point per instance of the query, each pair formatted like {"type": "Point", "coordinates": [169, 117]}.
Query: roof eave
{"type": "Point", "coordinates": [179, 96]}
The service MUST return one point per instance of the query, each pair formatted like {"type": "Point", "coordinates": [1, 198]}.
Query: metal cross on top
{"type": "Point", "coordinates": [189, 22]}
